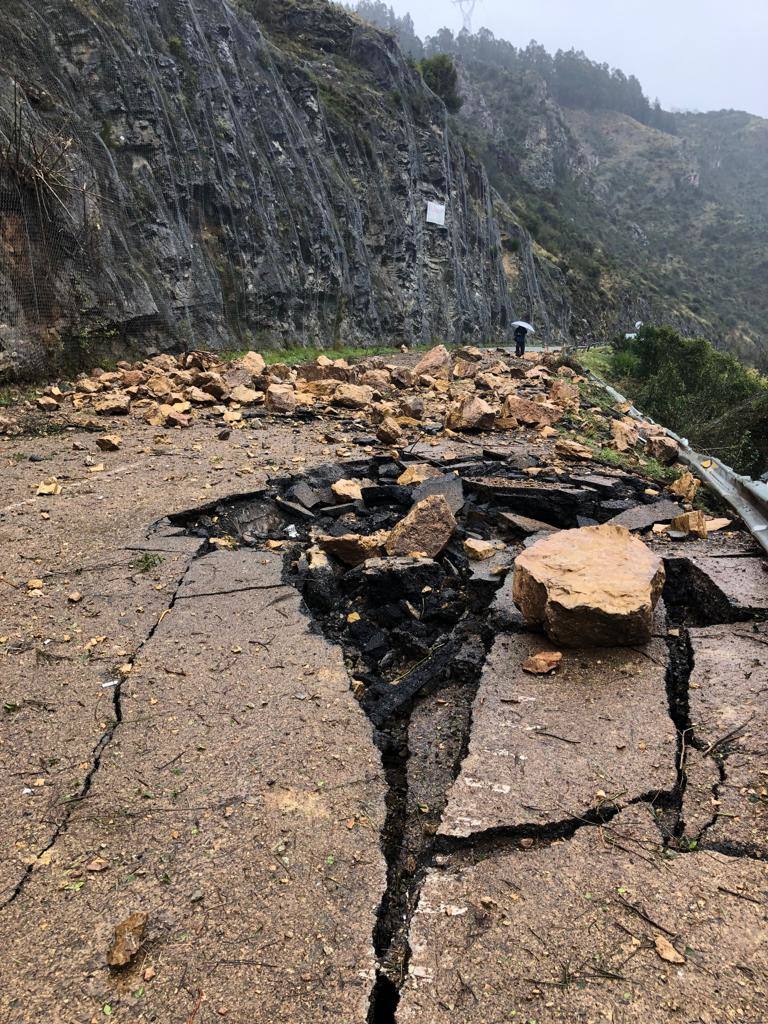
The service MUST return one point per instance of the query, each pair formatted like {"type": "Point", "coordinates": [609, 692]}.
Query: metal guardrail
{"type": "Point", "coordinates": [747, 497]}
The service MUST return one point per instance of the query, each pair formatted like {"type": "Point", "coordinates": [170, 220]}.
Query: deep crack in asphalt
{"type": "Point", "coordinates": [409, 638]}
{"type": "Point", "coordinates": [72, 802]}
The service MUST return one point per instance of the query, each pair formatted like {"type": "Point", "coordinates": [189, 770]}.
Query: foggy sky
{"type": "Point", "coordinates": [691, 54]}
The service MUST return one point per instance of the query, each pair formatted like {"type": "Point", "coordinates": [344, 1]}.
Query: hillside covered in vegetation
{"type": "Point", "coordinates": [707, 396]}
{"type": "Point", "coordinates": [650, 215]}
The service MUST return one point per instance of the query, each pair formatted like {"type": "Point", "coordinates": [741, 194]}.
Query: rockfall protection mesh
{"type": "Point", "coordinates": [167, 169]}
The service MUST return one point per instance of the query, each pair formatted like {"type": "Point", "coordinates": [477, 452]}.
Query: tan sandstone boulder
{"type": "Point", "coordinates": [244, 395]}
{"type": "Point", "coordinates": [280, 398]}
{"type": "Point", "coordinates": [417, 474]}
{"type": "Point", "coordinates": [353, 396]}
{"type": "Point", "coordinates": [664, 449]}
{"type": "Point", "coordinates": [436, 363]}
{"type": "Point", "coordinates": [253, 363]}
{"type": "Point", "coordinates": [426, 529]}
{"type": "Point", "coordinates": [116, 404]}
{"type": "Point", "coordinates": [567, 448]}
{"type": "Point", "coordinates": [353, 548]}
{"type": "Point", "coordinates": [389, 431]}
{"type": "Point", "coordinates": [565, 394]}
{"type": "Point", "coordinates": [471, 414]}
{"type": "Point", "coordinates": [532, 413]}
{"type": "Point", "coordinates": [597, 586]}
{"type": "Point", "coordinates": [686, 486]}
{"type": "Point", "coordinates": [624, 434]}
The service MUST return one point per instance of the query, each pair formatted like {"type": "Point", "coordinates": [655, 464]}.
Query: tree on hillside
{"type": "Point", "coordinates": [708, 396]}
{"type": "Point", "coordinates": [440, 75]}
{"type": "Point", "coordinates": [574, 79]}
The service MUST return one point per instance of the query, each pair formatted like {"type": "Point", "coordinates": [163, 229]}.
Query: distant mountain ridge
{"type": "Point", "coordinates": [649, 215]}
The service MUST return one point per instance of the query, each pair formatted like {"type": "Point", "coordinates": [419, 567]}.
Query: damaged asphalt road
{"type": "Point", "coordinates": [332, 788]}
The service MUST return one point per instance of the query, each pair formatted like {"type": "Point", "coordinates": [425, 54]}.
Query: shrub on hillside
{"type": "Point", "coordinates": [440, 75]}
{"type": "Point", "coordinates": [705, 395]}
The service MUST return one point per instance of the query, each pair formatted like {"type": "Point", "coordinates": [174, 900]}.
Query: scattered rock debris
{"type": "Point", "coordinates": [408, 562]}
{"type": "Point", "coordinates": [127, 939]}
{"type": "Point", "coordinates": [465, 391]}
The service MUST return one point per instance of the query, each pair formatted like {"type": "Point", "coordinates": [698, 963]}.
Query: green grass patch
{"type": "Point", "coordinates": [11, 395]}
{"type": "Point", "coordinates": [599, 360]}
{"type": "Point", "coordinates": [147, 562]}
{"type": "Point", "coordinates": [651, 469]}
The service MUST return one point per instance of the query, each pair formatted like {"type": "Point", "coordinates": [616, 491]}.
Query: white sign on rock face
{"type": "Point", "coordinates": [436, 214]}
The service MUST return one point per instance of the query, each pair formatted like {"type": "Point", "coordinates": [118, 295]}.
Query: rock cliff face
{"type": "Point", "coordinates": [224, 174]}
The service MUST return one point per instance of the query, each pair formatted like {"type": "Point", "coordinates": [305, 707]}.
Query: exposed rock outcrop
{"type": "Point", "coordinates": [254, 172]}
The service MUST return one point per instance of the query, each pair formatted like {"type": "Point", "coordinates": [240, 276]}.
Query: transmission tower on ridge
{"type": "Point", "coordinates": [467, 8]}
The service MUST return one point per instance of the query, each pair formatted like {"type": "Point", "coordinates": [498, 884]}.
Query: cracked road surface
{"type": "Point", "coordinates": [179, 738]}
{"type": "Point", "coordinates": [240, 800]}
{"type": "Point", "coordinates": [545, 750]}
{"type": "Point", "coordinates": [729, 721]}
{"type": "Point", "coordinates": [227, 786]}
{"type": "Point", "coordinates": [568, 932]}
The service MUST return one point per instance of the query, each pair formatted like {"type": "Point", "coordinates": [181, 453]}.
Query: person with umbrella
{"type": "Point", "coordinates": [522, 330]}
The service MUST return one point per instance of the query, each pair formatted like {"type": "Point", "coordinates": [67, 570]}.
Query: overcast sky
{"type": "Point", "coordinates": [692, 54]}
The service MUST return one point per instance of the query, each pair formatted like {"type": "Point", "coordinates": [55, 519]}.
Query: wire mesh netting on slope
{"type": "Point", "coordinates": [183, 170]}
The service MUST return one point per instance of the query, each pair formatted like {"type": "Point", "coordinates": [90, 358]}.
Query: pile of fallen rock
{"type": "Point", "coordinates": [466, 390]}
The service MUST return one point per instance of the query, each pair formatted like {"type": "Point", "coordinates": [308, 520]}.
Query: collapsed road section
{"type": "Point", "coordinates": [499, 771]}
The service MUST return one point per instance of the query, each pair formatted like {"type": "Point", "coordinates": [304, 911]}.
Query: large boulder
{"type": "Point", "coordinates": [379, 380]}
{"type": "Point", "coordinates": [535, 414]}
{"type": "Point", "coordinates": [253, 363]}
{"type": "Point", "coordinates": [389, 431]}
{"type": "Point", "coordinates": [686, 486]}
{"type": "Point", "coordinates": [324, 389]}
{"type": "Point", "coordinates": [597, 586]}
{"type": "Point", "coordinates": [353, 396]}
{"type": "Point", "coordinates": [354, 548]}
{"type": "Point", "coordinates": [436, 363]}
{"type": "Point", "coordinates": [565, 394]}
{"type": "Point", "coordinates": [469, 414]}
{"type": "Point", "coordinates": [412, 406]}
{"type": "Point", "coordinates": [624, 434]}
{"type": "Point", "coordinates": [281, 398]}
{"type": "Point", "coordinates": [213, 383]}
{"type": "Point", "coordinates": [116, 404]}
{"type": "Point", "coordinates": [664, 449]}
{"type": "Point", "coordinates": [245, 395]}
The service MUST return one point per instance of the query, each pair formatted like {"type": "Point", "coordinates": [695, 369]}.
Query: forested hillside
{"type": "Point", "coordinates": [649, 215]}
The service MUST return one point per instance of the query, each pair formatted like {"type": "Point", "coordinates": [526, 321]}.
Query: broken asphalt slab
{"type": "Point", "coordinates": [728, 698]}
{"type": "Point", "coordinates": [718, 588]}
{"type": "Point", "coordinates": [239, 804]}
{"type": "Point", "coordinates": [643, 517]}
{"type": "Point", "coordinates": [547, 749]}
{"type": "Point", "coordinates": [606, 926]}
